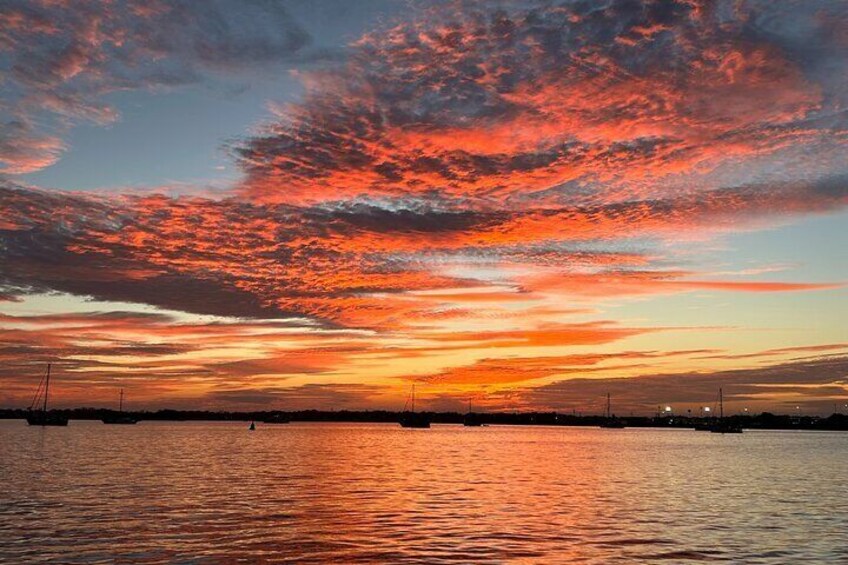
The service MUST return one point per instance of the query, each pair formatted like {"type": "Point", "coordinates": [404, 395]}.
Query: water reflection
{"type": "Point", "coordinates": [310, 493]}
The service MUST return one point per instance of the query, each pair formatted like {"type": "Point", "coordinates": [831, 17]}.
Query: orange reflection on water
{"type": "Point", "coordinates": [377, 493]}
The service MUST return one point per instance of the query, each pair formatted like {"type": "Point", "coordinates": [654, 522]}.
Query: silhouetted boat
{"type": "Point", "coordinates": [120, 417]}
{"type": "Point", "coordinates": [471, 419]}
{"type": "Point", "coordinates": [252, 426]}
{"type": "Point", "coordinates": [412, 419]}
{"type": "Point", "coordinates": [724, 426]}
{"type": "Point", "coordinates": [43, 417]}
{"type": "Point", "coordinates": [277, 419]}
{"type": "Point", "coordinates": [611, 421]}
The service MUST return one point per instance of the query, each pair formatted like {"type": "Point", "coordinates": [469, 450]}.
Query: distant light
{"type": "Point", "coordinates": [706, 408]}
{"type": "Point", "coordinates": [745, 409]}
{"type": "Point", "coordinates": [668, 408]}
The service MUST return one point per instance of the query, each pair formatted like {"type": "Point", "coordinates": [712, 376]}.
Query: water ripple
{"type": "Point", "coordinates": [211, 493]}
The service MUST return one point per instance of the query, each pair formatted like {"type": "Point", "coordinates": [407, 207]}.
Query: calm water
{"type": "Point", "coordinates": [371, 493]}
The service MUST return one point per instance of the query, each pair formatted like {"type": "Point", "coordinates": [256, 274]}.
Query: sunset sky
{"type": "Point", "coordinates": [315, 203]}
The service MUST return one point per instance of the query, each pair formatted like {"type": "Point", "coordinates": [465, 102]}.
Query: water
{"type": "Point", "coordinates": [212, 493]}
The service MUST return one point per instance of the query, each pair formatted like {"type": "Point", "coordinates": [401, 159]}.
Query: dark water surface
{"type": "Point", "coordinates": [370, 493]}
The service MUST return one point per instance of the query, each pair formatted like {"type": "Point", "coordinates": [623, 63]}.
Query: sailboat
{"type": "Point", "coordinates": [252, 426]}
{"type": "Point", "coordinates": [43, 417]}
{"type": "Point", "coordinates": [471, 419]}
{"type": "Point", "coordinates": [413, 419]}
{"type": "Point", "coordinates": [120, 417]}
{"type": "Point", "coordinates": [611, 421]}
{"type": "Point", "coordinates": [724, 426]}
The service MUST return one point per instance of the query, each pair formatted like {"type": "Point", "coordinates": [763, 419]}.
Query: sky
{"type": "Point", "coordinates": [260, 204]}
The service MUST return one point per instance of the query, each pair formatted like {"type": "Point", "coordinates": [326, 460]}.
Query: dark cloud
{"type": "Point", "coordinates": [303, 397]}
{"type": "Point", "coordinates": [373, 218]}
{"type": "Point", "coordinates": [71, 339]}
{"type": "Point", "coordinates": [85, 318]}
{"type": "Point", "coordinates": [821, 380]}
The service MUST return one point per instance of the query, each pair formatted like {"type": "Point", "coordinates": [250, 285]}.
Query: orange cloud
{"type": "Point", "coordinates": [630, 283]}
{"type": "Point", "coordinates": [509, 370]}
{"type": "Point", "coordinates": [693, 92]}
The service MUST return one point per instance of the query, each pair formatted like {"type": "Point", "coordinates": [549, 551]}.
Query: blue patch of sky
{"type": "Point", "coordinates": [180, 135]}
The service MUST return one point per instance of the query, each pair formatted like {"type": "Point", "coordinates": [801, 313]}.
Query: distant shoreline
{"type": "Point", "coordinates": [764, 421]}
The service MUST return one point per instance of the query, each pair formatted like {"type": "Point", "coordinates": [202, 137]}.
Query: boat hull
{"type": "Point", "coordinates": [471, 420]}
{"type": "Point", "coordinates": [46, 420]}
{"type": "Point", "coordinates": [120, 420]}
{"type": "Point", "coordinates": [613, 425]}
{"type": "Point", "coordinates": [414, 420]}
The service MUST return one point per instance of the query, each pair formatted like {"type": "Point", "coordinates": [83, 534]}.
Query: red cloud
{"type": "Point", "coordinates": [489, 108]}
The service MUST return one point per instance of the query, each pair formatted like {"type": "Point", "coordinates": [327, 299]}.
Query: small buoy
{"type": "Point", "coordinates": [252, 426]}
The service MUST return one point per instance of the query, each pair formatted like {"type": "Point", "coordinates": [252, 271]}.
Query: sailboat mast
{"type": "Point", "coordinates": [121, 402]}
{"type": "Point", "coordinates": [609, 412]}
{"type": "Point", "coordinates": [46, 389]}
{"type": "Point", "coordinates": [413, 397]}
{"type": "Point", "coordinates": [720, 404]}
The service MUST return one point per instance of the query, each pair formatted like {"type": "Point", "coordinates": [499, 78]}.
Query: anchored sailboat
{"type": "Point", "coordinates": [120, 417]}
{"type": "Point", "coordinates": [471, 419]}
{"type": "Point", "coordinates": [611, 421]}
{"type": "Point", "coordinates": [724, 426]}
{"type": "Point", "coordinates": [412, 419]}
{"type": "Point", "coordinates": [43, 417]}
